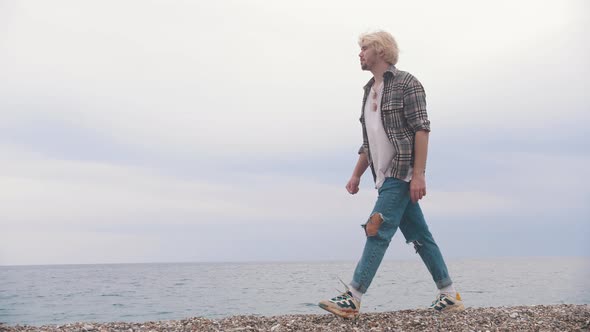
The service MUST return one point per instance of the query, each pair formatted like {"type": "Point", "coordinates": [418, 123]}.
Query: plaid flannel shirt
{"type": "Point", "coordinates": [403, 112]}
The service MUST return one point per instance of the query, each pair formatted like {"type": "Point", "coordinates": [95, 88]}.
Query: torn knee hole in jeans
{"type": "Point", "coordinates": [417, 245]}
{"type": "Point", "coordinates": [373, 224]}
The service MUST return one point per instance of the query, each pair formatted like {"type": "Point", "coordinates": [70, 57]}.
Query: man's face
{"type": "Point", "coordinates": [368, 56]}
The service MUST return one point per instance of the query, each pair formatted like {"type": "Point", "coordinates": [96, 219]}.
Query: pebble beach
{"type": "Point", "coordinates": [564, 317]}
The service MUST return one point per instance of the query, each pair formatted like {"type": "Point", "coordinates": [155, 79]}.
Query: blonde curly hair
{"type": "Point", "coordinates": [384, 44]}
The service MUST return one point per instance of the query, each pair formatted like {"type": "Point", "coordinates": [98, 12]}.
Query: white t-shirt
{"type": "Point", "coordinates": [382, 150]}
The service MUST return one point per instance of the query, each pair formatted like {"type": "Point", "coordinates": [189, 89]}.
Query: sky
{"type": "Point", "coordinates": [225, 131]}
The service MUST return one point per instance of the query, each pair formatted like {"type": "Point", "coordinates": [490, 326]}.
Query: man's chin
{"type": "Point", "coordinates": [364, 66]}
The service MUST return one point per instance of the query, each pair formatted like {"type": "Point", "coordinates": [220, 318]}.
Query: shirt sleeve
{"type": "Point", "coordinates": [362, 149]}
{"type": "Point", "coordinates": [415, 106]}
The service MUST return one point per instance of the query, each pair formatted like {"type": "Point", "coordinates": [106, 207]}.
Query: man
{"type": "Point", "coordinates": [395, 143]}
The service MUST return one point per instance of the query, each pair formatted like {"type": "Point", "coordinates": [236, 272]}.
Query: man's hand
{"type": "Point", "coordinates": [353, 185]}
{"type": "Point", "coordinates": [417, 187]}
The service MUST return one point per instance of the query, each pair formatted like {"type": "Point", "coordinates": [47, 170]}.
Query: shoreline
{"type": "Point", "coordinates": [562, 317]}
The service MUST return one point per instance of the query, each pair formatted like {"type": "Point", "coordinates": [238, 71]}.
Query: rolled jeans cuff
{"type": "Point", "coordinates": [443, 283]}
{"type": "Point", "coordinates": [358, 287]}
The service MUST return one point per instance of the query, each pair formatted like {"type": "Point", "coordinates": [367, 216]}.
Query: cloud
{"type": "Point", "coordinates": [230, 116]}
{"type": "Point", "coordinates": [32, 246]}
{"type": "Point", "coordinates": [51, 193]}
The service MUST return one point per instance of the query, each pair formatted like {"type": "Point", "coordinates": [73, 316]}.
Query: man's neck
{"type": "Point", "coordinates": [378, 71]}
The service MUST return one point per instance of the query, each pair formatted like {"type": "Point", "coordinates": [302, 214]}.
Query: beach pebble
{"type": "Point", "coordinates": [563, 317]}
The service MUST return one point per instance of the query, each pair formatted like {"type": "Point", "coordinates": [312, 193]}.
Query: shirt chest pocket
{"type": "Point", "coordinates": [393, 113]}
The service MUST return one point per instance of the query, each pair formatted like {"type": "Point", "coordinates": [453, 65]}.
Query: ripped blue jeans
{"type": "Point", "coordinates": [396, 210]}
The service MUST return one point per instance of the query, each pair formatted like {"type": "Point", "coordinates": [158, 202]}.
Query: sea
{"type": "Point", "coordinates": [60, 294]}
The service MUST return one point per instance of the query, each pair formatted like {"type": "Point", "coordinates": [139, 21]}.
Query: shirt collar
{"type": "Point", "coordinates": [391, 71]}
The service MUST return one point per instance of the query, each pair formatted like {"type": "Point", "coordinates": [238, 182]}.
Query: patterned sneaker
{"type": "Point", "coordinates": [447, 303]}
{"type": "Point", "coordinates": [344, 305]}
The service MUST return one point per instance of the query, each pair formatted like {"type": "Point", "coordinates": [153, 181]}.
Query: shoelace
{"type": "Point", "coordinates": [345, 286]}
{"type": "Point", "coordinates": [438, 299]}
{"type": "Point", "coordinates": [344, 294]}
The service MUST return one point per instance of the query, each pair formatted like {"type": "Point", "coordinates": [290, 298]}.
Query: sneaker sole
{"type": "Point", "coordinates": [456, 308]}
{"type": "Point", "coordinates": [343, 314]}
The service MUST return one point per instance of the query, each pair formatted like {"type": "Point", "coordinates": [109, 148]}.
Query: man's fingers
{"type": "Point", "coordinates": [352, 189]}
{"type": "Point", "coordinates": [417, 194]}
